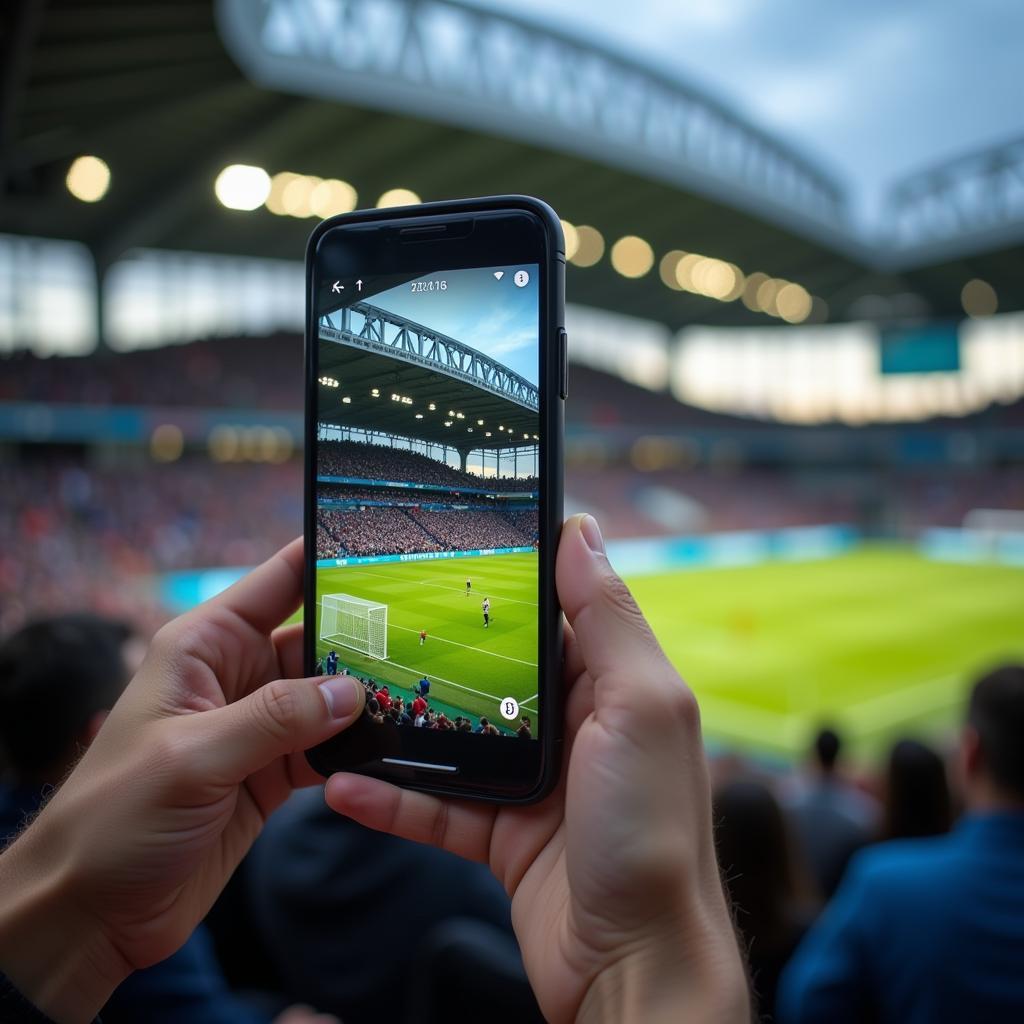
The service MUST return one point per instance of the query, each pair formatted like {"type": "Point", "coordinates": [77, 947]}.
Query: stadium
{"type": "Point", "coordinates": [408, 545]}
{"type": "Point", "coordinates": [799, 425]}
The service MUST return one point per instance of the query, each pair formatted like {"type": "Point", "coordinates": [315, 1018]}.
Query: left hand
{"type": "Point", "coordinates": [135, 846]}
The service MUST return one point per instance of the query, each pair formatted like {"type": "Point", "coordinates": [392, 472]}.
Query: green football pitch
{"type": "Point", "coordinates": [470, 668]}
{"type": "Point", "coordinates": [881, 641]}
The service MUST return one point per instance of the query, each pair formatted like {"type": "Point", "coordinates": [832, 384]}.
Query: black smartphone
{"type": "Point", "coordinates": [435, 384]}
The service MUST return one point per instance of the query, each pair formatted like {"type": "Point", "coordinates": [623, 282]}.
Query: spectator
{"type": "Point", "coordinates": [326, 891]}
{"type": "Point", "coordinates": [917, 798]}
{"type": "Point", "coordinates": [767, 885]}
{"type": "Point", "coordinates": [932, 930]}
{"type": "Point", "coordinates": [832, 819]}
{"type": "Point", "coordinates": [58, 679]}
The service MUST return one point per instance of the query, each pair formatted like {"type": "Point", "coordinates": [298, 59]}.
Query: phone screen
{"type": "Point", "coordinates": [428, 461]}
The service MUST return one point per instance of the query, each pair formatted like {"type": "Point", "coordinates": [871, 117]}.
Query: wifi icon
{"type": "Point", "coordinates": [499, 274]}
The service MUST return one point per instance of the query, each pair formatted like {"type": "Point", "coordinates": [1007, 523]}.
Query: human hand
{"type": "Point", "coordinates": [135, 846]}
{"type": "Point", "coordinates": [616, 896]}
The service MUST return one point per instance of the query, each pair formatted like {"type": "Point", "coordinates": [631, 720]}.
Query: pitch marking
{"type": "Point", "coordinates": [469, 647]}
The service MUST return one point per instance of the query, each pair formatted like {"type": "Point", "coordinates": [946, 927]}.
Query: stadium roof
{"type": "Point", "coordinates": [150, 87]}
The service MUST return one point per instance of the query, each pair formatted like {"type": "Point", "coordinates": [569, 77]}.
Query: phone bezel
{"type": "Point", "coordinates": [505, 770]}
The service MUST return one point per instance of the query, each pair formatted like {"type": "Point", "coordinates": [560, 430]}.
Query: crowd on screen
{"type": "Point", "coordinates": [383, 462]}
{"type": "Point", "coordinates": [886, 888]}
{"type": "Point", "coordinates": [391, 708]}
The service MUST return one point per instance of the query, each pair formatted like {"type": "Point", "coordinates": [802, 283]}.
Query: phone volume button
{"type": "Point", "coordinates": [563, 363]}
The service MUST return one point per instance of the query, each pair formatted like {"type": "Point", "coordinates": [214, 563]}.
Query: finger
{"type": "Point", "coordinates": [287, 642]}
{"type": "Point", "coordinates": [463, 829]}
{"type": "Point", "coordinates": [270, 593]}
{"type": "Point", "coordinates": [573, 665]}
{"type": "Point", "coordinates": [612, 635]}
{"type": "Point", "coordinates": [282, 717]}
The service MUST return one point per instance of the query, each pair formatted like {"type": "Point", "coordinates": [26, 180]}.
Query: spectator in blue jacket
{"type": "Point", "coordinates": [932, 930]}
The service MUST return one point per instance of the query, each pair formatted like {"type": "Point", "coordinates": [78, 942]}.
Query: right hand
{"type": "Point", "coordinates": [616, 896]}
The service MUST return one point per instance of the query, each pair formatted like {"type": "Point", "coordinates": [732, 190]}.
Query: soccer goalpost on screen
{"type": "Point", "coordinates": [356, 623]}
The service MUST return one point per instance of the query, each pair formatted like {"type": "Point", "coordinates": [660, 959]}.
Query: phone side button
{"type": "Point", "coordinates": [424, 765]}
{"type": "Point", "coordinates": [563, 363]}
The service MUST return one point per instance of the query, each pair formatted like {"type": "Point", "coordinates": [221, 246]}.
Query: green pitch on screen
{"type": "Point", "coordinates": [471, 668]}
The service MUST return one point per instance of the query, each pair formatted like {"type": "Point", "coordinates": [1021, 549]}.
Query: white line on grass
{"type": "Point", "coordinates": [469, 647]}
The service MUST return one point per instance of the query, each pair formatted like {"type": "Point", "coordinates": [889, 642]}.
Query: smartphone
{"type": "Point", "coordinates": [435, 385]}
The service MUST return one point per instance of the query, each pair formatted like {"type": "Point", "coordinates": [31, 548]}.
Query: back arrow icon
{"type": "Point", "coordinates": [337, 287]}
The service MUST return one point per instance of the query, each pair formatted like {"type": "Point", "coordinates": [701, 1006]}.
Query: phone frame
{"type": "Point", "coordinates": [501, 777]}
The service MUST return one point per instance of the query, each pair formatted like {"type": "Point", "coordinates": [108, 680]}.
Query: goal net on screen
{"type": "Point", "coordinates": [355, 623]}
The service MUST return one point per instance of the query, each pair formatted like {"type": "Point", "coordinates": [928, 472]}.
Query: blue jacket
{"type": "Point", "coordinates": [187, 986]}
{"type": "Point", "coordinates": [924, 930]}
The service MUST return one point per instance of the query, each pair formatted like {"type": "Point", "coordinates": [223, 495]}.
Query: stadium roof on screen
{"type": "Point", "coordinates": [374, 391]}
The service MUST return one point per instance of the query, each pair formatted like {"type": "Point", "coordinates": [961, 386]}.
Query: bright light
{"type": "Point", "coordinates": [275, 197]}
{"type": "Point", "coordinates": [479, 423]}
{"type": "Point", "coordinates": [753, 286]}
{"type": "Point", "coordinates": [447, 423]}
{"type": "Point", "coordinates": [328, 382]}
{"type": "Point", "coordinates": [347, 400]}
{"type": "Point", "coordinates": [88, 179]}
{"type": "Point", "coordinates": [632, 257]}
{"type": "Point", "coordinates": [793, 303]}
{"type": "Point", "coordinates": [572, 239]}
{"type": "Point", "coordinates": [167, 443]}
{"type": "Point", "coordinates": [298, 194]}
{"type": "Point", "coordinates": [432, 407]}
{"type": "Point", "coordinates": [241, 187]}
{"type": "Point", "coordinates": [419, 415]}
{"type": "Point", "coordinates": [460, 416]}
{"type": "Point", "coordinates": [684, 271]}
{"type": "Point", "coordinates": [398, 197]}
{"type": "Point", "coordinates": [332, 197]}
{"type": "Point", "coordinates": [667, 269]}
{"type": "Point", "coordinates": [375, 392]}
{"type": "Point", "coordinates": [487, 433]}
{"type": "Point", "coordinates": [589, 246]}
{"type": "Point", "coordinates": [979, 298]}
{"type": "Point", "coordinates": [767, 294]}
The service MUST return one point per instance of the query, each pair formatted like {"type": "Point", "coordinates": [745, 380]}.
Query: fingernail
{"type": "Point", "coordinates": [592, 534]}
{"type": "Point", "coordinates": [340, 695]}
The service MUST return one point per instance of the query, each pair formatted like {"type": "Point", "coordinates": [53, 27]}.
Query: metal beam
{"type": "Point", "coordinates": [447, 61]}
{"type": "Point", "coordinates": [399, 338]}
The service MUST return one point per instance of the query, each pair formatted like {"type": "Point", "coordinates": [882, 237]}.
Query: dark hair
{"type": "Point", "coordinates": [827, 745]}
{"type": "Point", "coordinates": [996, 711]}
{"type": "Point", "coordinates": [55, 674]}
{"type": "Point", "coordinates": [757, 859]}
{"type": "Point", "coordinates": [917, 797]}
{"type": "Point", "coordinates": [484, 722]}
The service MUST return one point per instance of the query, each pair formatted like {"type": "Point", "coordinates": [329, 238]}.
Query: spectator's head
{"type": "Point", "coordinates": [917, 797]}
{"type": "Point", "coordinates": [484, 722]}
{"type": "Point", "coordinates": [993, 746]}
{"type": "Point", "coordinates": [826, 750]}
{"type": "Point", "coordinates": [758, 862]}
{"type": "Point", "coordinates": [373, 706]}
{"type": "Point", "coordinates": [58, 679]}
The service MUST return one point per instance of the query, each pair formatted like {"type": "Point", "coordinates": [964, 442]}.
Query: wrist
{"type": "Point", "coordinates": [51, 948]}
{"type": "Point", "coordinates": [687, 975]}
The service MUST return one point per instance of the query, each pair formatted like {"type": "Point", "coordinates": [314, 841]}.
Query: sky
{"type": "Point", "coordinates": [493, 316]}
{"type": "Point", "coordinates": [870, 90]}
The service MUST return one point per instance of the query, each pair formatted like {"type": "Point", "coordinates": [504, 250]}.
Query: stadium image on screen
{"type": "Point", "coordinates": [427, 498]}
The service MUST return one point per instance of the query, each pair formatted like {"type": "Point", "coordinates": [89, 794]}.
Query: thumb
{"type": "Point", "coordinates": [282, 717]}
{"type": "Point", "coordinates": [611, 632]}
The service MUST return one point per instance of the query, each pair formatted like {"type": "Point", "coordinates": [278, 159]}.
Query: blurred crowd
{"type": "Point", "coordinates": [874, 890]}
{"type": "Point", "coordinates": [89, 533]}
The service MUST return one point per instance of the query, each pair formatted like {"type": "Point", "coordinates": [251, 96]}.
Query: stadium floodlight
{"type": "Point", "coordinates": [88, 178]}
{"type": "Point", "coordinates": [375, 392]}
{"type": "Point", "coordinates": [347, 400]}
{"type": "Point", "coordinates": [447, 423]}
{"type": "Point", "coordinates": [354, 622]}
{"type": "Point", "coordinates": [398, 197]}
{"type": "Point", "coordinates": [479, 423]}
{"type": "Point", "coordinates": [242, 187]}
{"type": "Point", "coordinates": [432, 407]}
{"type": "Point", "coordinates": [419, 415]}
